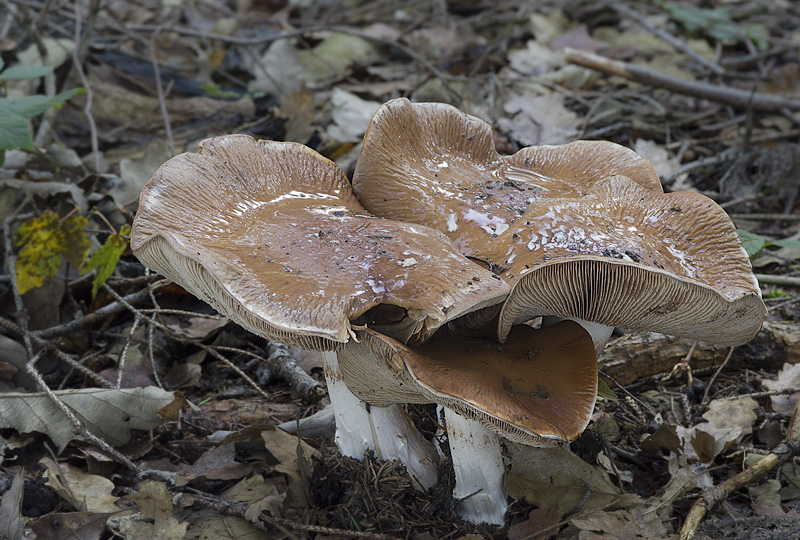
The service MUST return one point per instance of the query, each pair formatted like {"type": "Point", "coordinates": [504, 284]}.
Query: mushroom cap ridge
{"type": "Point", "coordinates": [270, 234]}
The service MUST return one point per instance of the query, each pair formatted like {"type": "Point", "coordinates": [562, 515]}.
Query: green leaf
{"type": "Point", "coordinates": [30, 106]}
{"type": "Point", "coordinates": [14, 132]}
{"type": "Point", "coordinates": [44, 240]}
{"type": "Point", "coordinates": [753, 243]}
{"type": "Point", "coordinates": [792, 244]}
{"type": "Point", "coordinates": [25, 72]}
{"type": "Point", "coordinates": [106, 257]}
{"type": "Point", "coordinates": [605, 392]}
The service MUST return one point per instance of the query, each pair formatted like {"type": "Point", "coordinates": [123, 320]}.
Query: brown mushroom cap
{"type": "Point", "coordinates": [580, 230]}
{"type": "Point", "coordinates": [271, 235]}
{"type": "Point", "coordinates": [445, 162]}
{"type": "Point", "coordinates": [630, 257]}
{"type": "Point", "coordinates": [538, 388]}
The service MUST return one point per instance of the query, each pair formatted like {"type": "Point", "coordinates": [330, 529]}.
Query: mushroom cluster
{"type": "Point", "coordinates": [417, 282]}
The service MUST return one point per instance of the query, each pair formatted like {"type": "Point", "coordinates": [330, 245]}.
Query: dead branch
{"type": "Point", "coordinates": [637, 356]}
{"type": "Point", "coordinates": [712, 92]}
{"type": "Point", "coordinates": [789, 448]}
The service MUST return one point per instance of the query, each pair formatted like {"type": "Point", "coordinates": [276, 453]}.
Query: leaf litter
{"type": "Point", "coordinates": [315, 74]}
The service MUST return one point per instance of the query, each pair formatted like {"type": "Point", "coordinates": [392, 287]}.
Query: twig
{"type": "Point", "coordinates": [726, 155]}
{"type": "Point", "coordinates": [98, 315]}
{"type": "Point", "coordinates": [194, 342]}
{"type": "Point", "coordinates": [767, 217]}
{"type": "Point", "coordinates": [285, 367]}
{"type": "Point", "coordinates": [788, 449]}
{"type": "Point", "coordinates": [785, 281]}
{"type": "Point", "coordinates": [11, 260]}
{"type": "Point", "coordinates": [666, 36]}
{"type": "Point", "coordinates": [31, 368]}
{"type": "Point", "coordinates": [160, 91]}
{"type": "Point", "coordinates": [712, 92]}
{"type": "Point", "coordinates": [87, 109]}
{"type": "Point", "coordinates": [714, 377]}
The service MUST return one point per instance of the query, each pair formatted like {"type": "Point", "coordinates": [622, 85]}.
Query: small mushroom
{"type": "Point", "coordinates": [538, 388]}
{"type": "Point", "coordinates": [271, 235]}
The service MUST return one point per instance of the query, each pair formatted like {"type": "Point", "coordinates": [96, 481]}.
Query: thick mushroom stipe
{"type": "Point", "coordinates": [387, 431]}
{"type": "Point", "coordinates": [480, 493]}
{"type": "Point", "coordinates": [271, 235]}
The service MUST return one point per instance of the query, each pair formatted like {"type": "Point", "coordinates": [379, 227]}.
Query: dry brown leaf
{"type": "Point", "coordinates": [70, 526]}
{"type": "Point", "coordinates": [789, 377]}
{"type": "Point", "coordinates": [10, 505]}
{"type": "Point", "coordinates": [298, 110]}
{"type": "Point", "coordinates": [109, 414]}
{"type": "Point", "coordinates": [536, 120]}
{"type": "Point", "coordinates": [82, 491]}
{"type": "Point", "coordinates": [539, 525]}
{"type": "Point", "coordinates": [555, 476]}
{"type": "Point", "coordinates": [293, 454]}
{"type": "Point", "coordinates": [218, 463]}
{"type": "Point", "coordinates": [155, 515]}
{"type": "Point", "coordinates": [621, 525]}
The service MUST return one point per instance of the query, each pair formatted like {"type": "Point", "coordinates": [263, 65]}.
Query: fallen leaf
{"type": "Point", "coordinates": [539, 525]}
{"type": "Point", "coordinates": [109, 414]}
{"type": "Point", "coordinates": [292, 454]}
{"type": "Point", "coordinates": [218, 463]}
{"type": "Point", "coordinates": [155, 515]}
{"type": "Point", "coordinates": [135, 173]}
{"type": "Point", "coordinates": [350, 115]}
{"type": "Point", "coordinates": [537, 120]}
{"type": "Point", "coordinates": [789, 377]}
{"type": "Point", "coordinates": [298, 110]}
{"type": "Point", "coordinates": [10, 506]}
{"type": "Point", "coordinates": [82, 491]}
{"type": "Point", "coordinates": [622, 525]}
{"type": "Point", "coordinates": [71, 525]}
{"type": "Point", "coordinates": [548, 476]}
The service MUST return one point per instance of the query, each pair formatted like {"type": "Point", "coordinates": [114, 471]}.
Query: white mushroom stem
{"type": "Point", "coordinates": [387, 431]}
{"type": "Point", "coordinates": [478, 465]}
{"type": "Point", "coordinates": [600, 332]}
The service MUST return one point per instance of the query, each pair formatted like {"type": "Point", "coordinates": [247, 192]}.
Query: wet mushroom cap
{"type": "Point", "coordinates": [630, 257]}
{"type": "Point", "coordinates": [270, 234]}
{"type": "Point", "coordinates": [445, 162]}
{"type": "Point", "coordinates": [539, 388]}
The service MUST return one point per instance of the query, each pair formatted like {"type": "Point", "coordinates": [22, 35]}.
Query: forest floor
{"type": "Point", "coordinates": [128, 408]}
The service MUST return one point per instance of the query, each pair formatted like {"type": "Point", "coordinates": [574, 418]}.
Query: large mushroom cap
{"type": "Point", "coordinates": [445, 162]}
{"type": "Point", "coordinates": [581, 230]}
{"type": "Point", "coordinates": [271, 235]}
{"type": "Point", "coordinates": [630, 257]}
{"type": "Point", "coordinates": [538, 388]}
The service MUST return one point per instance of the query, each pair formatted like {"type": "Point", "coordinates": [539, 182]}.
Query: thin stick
{"type": "Point", "coordinates": [87, 109]}
{"type": "Point", "coordinates": [714, 377]}
{"type": "Point", "coordinates": [786, 281]}
{"type": "Point", "coordinates": [98, 315]}
{"type": "Point", "coordinates": [160, 90]}
{"type": "Point", "coordinates": [712, 92]}
{"type": "Point", "coordinates": [767, 217]}
{"type": "Point", "coordinates": [788, 449]}
{"type": "Point", "coordinates": [666, 36]}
